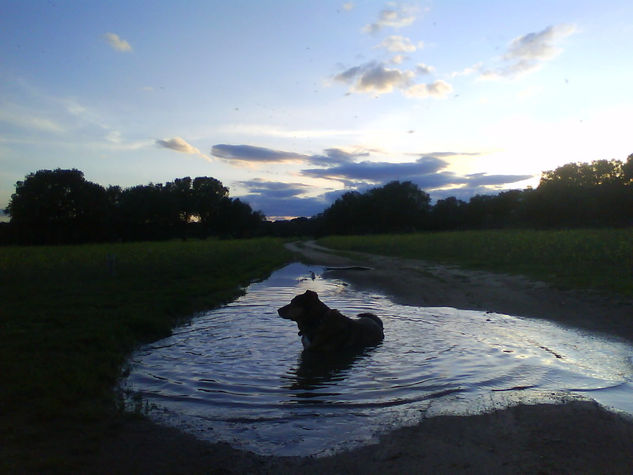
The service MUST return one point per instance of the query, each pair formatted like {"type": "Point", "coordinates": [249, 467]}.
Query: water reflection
{"type": "Point", "coordinates": [239, 374]}
{"type": "Point", "coordinates": [316, 371]}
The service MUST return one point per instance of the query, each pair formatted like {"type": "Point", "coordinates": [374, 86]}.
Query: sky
{"type": "Point", "coordinates": [292, 103]}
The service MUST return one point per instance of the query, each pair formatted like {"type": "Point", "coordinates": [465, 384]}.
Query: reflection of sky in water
{"type": "Point", "coordinates": [238, 373]}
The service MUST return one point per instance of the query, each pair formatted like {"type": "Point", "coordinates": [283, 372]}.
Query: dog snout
{"type": "Point", "coordinates": [284, 312]}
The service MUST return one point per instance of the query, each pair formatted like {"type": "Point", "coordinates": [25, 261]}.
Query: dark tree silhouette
{"type": "Point", "coordinates": [61, 206]}
{"type": "Point", "coordinates": [397, 206]}
{"type": "Point", "coordinates": [449, 213]}
{"type": "Point", "coordinates": [627, 170]}
{"type": "Point", "coordinates": [207, 196]}
{"type": "Point", "coordinates": [58, 206]}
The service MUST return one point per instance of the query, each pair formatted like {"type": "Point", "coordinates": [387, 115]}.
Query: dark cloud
{"type": "Point", "coordinates": [483, 179]}
{"type": "Point", "coordinates": [378, 172]}
{"type": "Point", "coordinates": [428, 171]}
{"type": "Point", "coordinates": [250, 153]}
{"type": "Point", "coordinates": [335, 156]}
{"type": "Point", "coordinates": [279, 200]}
{"type": "Point", "coordinates": [274, 189]}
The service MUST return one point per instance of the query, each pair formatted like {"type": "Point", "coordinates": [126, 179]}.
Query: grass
{"type": "Point", "coordinates": [600, 259]}
{"type": "Point", "coordinates": [70, 315]}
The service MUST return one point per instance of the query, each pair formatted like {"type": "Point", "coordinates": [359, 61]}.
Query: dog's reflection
{"type": "Point", "coordinates": [322, 370]}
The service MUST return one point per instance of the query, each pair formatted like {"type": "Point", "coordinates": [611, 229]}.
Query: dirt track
{"type": "Point", "coordinates": [578, 437]}
{"type": "Point", "coordinates": [419, 283]}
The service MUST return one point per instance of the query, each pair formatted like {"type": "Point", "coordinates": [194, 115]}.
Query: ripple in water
{"type": "Point", "coordinates": [238, 373]}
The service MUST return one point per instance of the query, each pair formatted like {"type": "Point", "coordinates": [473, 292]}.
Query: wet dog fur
{"type": "Point", "coordinates": [327, 330]}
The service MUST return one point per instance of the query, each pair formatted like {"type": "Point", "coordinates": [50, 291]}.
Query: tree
{"type": "Point", "coordinates": [449, 213]}
{"type": "Point", "coordinates": [627, 170]}
{"type": "Point", "coordinates": [58, 206]}
{"type": "Point", "coordinates": [207, 195]}
{"type": "Point", "coordinates": [394, 207]}
{"type": "Point", "coordinates": [584, 175]}
{"type": "Point", "coordinates": [397, 206]}
{"type": "Point", "coordinates": [237, 219]}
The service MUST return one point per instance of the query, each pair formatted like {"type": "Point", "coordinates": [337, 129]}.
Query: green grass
{"type": "Point", "coordinates": [68, 320]}
{"type": "Point", "coordinates": [600, 259]}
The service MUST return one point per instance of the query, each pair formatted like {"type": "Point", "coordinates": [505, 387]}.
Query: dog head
{"type": "Point", "coordinates": [305, 309]}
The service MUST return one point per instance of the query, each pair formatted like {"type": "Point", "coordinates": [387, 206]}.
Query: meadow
{"type": "Point", "coordinates": [600, 259]}
{"type": "Point", "coordinates": [70, 315]}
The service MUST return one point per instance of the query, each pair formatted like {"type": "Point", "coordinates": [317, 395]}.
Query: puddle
{"type": "Point", "coordinates": [238, 373]}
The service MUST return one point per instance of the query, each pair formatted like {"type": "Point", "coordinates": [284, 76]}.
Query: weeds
{"type": "Point", "coordinates": [70, 315]}
{"type": "Point", "coordinates": [599, 259]}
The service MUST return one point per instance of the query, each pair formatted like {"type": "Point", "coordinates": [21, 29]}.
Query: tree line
{"type": "Point", "coordinates": [61, 206]}
{"type": "Point", "coordinates": [595, 194]}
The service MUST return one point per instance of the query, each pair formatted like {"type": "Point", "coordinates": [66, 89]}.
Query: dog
{"type": "Point", "coordinates": [327, 330]}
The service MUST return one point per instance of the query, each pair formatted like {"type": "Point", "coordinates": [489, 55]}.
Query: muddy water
{"type": "Point", "coordinates": [238, 373]}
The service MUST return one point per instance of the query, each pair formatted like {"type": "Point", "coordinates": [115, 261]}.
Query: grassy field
{"type": "Point", "coordinates": [599, 259]}
{"type": "Point", "coordinates": [70, 315]}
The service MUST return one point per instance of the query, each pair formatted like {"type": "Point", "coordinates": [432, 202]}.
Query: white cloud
{"type": "Point", "coordinates": [422, 68]}
{"type": "Point", "coordinates": [117, 43]}
{"type": "Point", "coordinates": [397, 16]}
{"type": "Point", "coordinates": [24, 119]}
{"type": "Point", "coordinates": [348, 6]}
{"type": "Point", "coordinates": [438, 89]}
{"type": "Point", "coordinates": [467, 71]}
{"type": "Point", "coordinates": [539, 46]}
{"type": "Point", "coordinates": [527, 53]}
{"type": "Point", "coordinates": [398, 44]}
{"type": "Point", "coordinates": [178, 144]}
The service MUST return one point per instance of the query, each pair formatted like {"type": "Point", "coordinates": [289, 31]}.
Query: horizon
{"type": "Point", "coordinates": [458, 98]}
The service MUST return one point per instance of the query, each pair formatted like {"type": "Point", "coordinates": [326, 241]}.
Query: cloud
{"type": "Point", "coordinates": [282, 200]}
{"type": "Point", "coordinates": [336, 156]}
{"type": "Point", "coordinates": [24, 118]}
{"type": "Point", "coordinates": [180, 145]}
{"type": "Point", "coordinates": [398, 44]}
{"type": "Point", "coordinates": [117, 43]}
{"type": "Point", "coordinates": [397, 17]}
{"type": "Point", "coordinates": [428, 171]}
{"type": "Point", "coordinates": [468, 71]}
{"type": "Point", "coordinates": [275, 189]}
{"type": "Point", "coordinates": [483, 179]}
{"type": "Point", "coordinates": [422, 68]}
{"type": "Point", "coordinates": [378, 172]}
{"type": "Point", "coordinates": [250, 153]}
{"type": "Point", "coordinates": [374, 78]}
{"type": "Point", "coordinates": [348, 6]}
{"type": "Point", "coordinates": [527, 53]}
{"type": "Point", "coordinates": [438, 89]}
